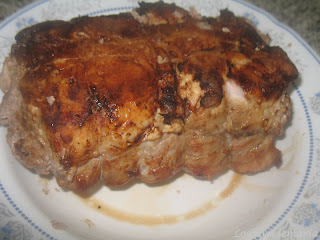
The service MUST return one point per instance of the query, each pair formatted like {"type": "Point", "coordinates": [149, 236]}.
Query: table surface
{"type": "Point", "coordinates": [303, 16]}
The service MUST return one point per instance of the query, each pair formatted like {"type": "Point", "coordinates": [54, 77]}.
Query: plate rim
{"type": "Point", "coordinates": [279, 24]}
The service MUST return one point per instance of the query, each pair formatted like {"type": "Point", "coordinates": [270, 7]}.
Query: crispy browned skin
{"type": "Point", "coordinates": [125, 96]}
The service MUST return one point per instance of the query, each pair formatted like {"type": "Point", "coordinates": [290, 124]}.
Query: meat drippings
{"type": "Point", "coordinates": [143, 219]}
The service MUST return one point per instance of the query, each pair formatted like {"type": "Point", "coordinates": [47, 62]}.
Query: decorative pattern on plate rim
{"type": "Point", "coordinates": [108, 10]}
{"type": "Point", "coordinates": [7, 229]}
{"type": "Point", "coordinates": [315, 103]}
{"type": "Point", "coordinates": [306, 176]}
{"type": "Point", "coordinates": [310, 129]}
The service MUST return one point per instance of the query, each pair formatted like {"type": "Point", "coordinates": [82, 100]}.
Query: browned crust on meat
{"type": "Point", "coordinates": [105, 86]}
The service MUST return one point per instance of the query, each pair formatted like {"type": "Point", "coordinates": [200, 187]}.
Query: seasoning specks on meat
{"type": "Point", "coordinates": [144, 95]}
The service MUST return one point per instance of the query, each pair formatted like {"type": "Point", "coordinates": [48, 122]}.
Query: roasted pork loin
{"type": "Point", "coordinates": [144, 95]}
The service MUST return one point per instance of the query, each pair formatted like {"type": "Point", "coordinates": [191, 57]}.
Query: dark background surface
{"type": "Point", "coordinates": [303, 16]}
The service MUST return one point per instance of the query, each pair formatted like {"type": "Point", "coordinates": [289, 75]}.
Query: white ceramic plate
{"type": "Point", "coordinates": [278, 204]}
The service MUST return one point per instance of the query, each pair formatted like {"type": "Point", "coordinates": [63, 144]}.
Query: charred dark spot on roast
{"type": "Point", "coordinates": [167, 118]}
{"type": "Point", "coordinates": [208, 73]}
{"type": "Point", "coordinates": [212, 85]}
{"type": "Point", "coordinates": [210, 100]}
{"type": "Point", "coordinates": [168, 100]}
{"type": "Point", "coordinates": [67, 161]}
